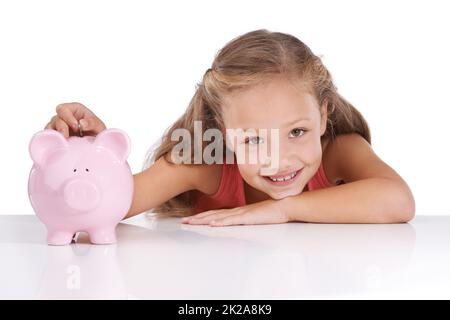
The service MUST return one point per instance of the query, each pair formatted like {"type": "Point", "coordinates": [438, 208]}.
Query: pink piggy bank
{"type": "Point", "coordinates": [80, 184]}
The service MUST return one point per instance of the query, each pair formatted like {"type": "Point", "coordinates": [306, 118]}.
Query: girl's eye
{"type": "Point", "coordinates": [254, 140]}
{"type": "Point", "coordinates": [297, 132]}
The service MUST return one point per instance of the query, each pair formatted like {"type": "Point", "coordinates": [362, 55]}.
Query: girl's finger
{"type": "Point", "coordinates": [206, 213]}
{"type": "Point", "coordinates": [92, 124]}
{"type": "Point", "coordinates": [211, 217]}
{"type": "Point", "coordinates": [229, 221]}
{"type": "Point", "coordinates": [200, 215]}
{"type": "Point", "coordinates": [62, 127]}
{"type": "Point", "coordinates": [51, 124]}
{"type": "Point", "coordinates": [67, 115]}
{"type": "Point", "coordinates": [79, 110]}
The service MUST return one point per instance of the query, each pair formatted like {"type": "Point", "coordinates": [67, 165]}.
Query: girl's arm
{"type": "Point", "coordinates": [163, 181]}
{"type": "Point", "coordinates": [373, 193]}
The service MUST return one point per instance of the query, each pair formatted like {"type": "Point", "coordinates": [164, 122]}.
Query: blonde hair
{"type": "Point", "coordinates": [245, 61]}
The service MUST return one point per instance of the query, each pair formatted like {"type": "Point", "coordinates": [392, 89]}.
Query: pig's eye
{"type": "Point", "coordinates": [74, 170]}
{"type": "Point", "coordinates": [87, 169]}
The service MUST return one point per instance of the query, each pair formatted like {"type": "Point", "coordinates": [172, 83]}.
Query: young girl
{"type": "Point", "coordinates": [326, 172]}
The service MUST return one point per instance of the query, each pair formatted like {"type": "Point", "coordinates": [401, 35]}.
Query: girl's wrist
{"type": "Point", "coordinates": [285, 206]}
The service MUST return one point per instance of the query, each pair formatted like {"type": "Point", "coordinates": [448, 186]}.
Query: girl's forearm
{"type": "Point", "coordinates": [375, 200]}
{"type": "Point", "coordinates": [159, 183]}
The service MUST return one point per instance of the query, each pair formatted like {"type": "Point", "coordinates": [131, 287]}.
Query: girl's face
{"type": "Point", "coordinates": [277, 104]}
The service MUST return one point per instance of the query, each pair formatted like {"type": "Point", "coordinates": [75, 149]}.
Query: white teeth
{"type": "Point", "coordinates": [289, 177]}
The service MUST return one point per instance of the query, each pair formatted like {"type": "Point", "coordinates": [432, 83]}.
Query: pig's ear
{"type": "Point", "coordinates": [115, 140]}
{"type": "Point", "coordinates": [44, 143]}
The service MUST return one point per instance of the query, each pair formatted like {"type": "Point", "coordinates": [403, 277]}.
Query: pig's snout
{"type": "Point", "coordinates": [81, 195]}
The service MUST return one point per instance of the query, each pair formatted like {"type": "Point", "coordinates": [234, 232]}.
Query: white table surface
{"type": "Point", "coordinates": [164, 259]}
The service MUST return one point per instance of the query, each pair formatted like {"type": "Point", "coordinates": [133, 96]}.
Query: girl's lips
{"type": "Point", "coordinates": [284, 183]}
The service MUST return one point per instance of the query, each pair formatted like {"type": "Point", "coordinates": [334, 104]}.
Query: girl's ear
{"type": "Point", "coordinates": [116, 141]}
{"type": "Point", "coordinates": [323, 117]}
{"type": "Point", "coordinates": [44, 143]}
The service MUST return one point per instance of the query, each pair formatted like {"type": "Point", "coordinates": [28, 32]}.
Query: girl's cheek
{"type": "Point", "coordinates": [311, 152]}
{"type": "Point", "coordinates": [247, 171]}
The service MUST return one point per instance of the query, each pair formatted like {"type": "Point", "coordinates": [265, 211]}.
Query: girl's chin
{"type": "Point", "coordinates": [283, 194]}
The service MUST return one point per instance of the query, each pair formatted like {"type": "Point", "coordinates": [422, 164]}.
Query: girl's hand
{"type": "Point", "coordinates": [69, 114]}
{"type": "Point", "coordinates": [263, 212]}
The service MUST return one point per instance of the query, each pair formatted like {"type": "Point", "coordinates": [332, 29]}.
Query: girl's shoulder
{"type": "Point", "coordinates": [349, 157]}
{"type": "Point", "coordinates": [329, 161]}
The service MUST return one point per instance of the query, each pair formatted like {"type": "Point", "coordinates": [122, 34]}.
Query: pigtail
{"type": "Point", "coordinates": [202, 107]}
{"type": "Point", "coordinates": [344, 118]}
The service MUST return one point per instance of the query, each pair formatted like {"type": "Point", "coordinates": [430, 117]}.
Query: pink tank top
{"type": "Point", "coordinates": [231, 189]}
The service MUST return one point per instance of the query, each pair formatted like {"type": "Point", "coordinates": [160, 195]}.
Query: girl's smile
{"type": "Point", "coordinates": [282, 180]}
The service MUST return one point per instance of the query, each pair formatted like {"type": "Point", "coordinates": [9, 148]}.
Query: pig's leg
{"type": "Point", "coordinates": [59, 237]}
{"type": "Point", "coordinates": [103, 235]}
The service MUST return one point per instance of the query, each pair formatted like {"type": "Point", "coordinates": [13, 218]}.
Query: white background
{"type": "Point", "coordinates": [136, 63]}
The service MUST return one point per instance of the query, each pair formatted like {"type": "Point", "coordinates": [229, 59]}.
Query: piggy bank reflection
{"type": "Point", "coordinates": [80, 184]}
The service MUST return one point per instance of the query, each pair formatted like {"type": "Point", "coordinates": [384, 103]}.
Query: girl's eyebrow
{"type": "Point", "coordinates": [290, 123]}
{"type": "Point", "coordinates": [297, 120]}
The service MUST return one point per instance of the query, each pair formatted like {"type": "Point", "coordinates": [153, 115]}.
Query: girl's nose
{"type": "Point", "coordinates": [287, 154]}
